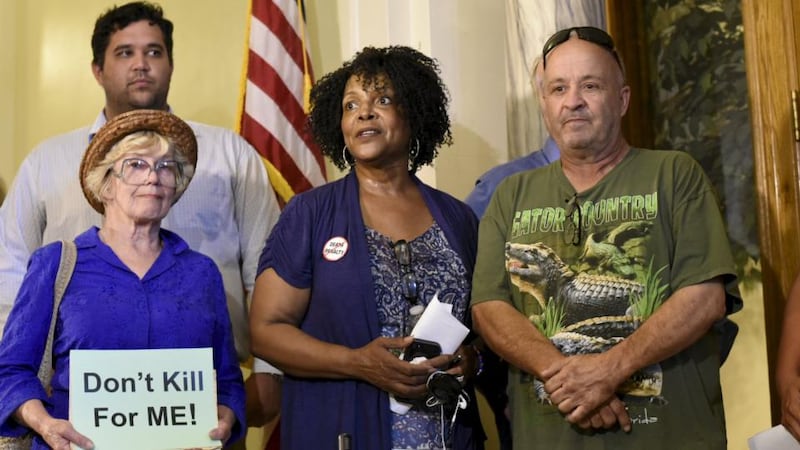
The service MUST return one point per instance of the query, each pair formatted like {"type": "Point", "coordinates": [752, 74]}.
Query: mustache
{"type": "Point", "coordinates": [566, 119]}
{"type": "Point", "coordinates": [139, 78]}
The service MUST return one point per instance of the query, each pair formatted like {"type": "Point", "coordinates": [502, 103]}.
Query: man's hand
{"type": "Point", "coordinates": [608, 416]}
{"type": "Point", "coordinates": [583, 387]}
{"type": "Point", "coordinates": [263, 400]}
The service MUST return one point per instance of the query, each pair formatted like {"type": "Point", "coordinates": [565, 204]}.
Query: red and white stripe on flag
{"type": "Point", "coordinates": [278, 79]}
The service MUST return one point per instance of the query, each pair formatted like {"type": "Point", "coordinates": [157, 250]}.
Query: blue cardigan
{"type": "Point", "coordinates": [342, 309]}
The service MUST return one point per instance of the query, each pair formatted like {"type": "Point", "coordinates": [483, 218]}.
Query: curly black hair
{"type": "Point", "coordinates": [419, 92]}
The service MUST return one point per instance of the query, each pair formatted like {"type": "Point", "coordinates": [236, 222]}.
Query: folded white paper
{"type": "Point", "coordinates": [775, 438]}
{"type": "Point", "coordinates": [436, 324]}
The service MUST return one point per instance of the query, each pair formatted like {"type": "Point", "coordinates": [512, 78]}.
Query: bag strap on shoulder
{"type": "Point", "coordinates": [69, 255]}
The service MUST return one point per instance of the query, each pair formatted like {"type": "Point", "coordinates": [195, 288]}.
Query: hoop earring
{"type": "Point", "coordinates": [413, 153]}
{"type": "Point", "coordinates": [344, 157]}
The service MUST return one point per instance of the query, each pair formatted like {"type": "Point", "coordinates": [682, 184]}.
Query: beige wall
{"type": "Point", "coordinates": [49, 88]}
{"type": "Point", "coordinates": [745, 384]}
{"type": "Point", "coordinates": [467, 38]}
{"type": "Point", "coordinates": [8, 33]}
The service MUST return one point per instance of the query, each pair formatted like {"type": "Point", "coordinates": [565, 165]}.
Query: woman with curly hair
{"type": "Point", "coordinates": [350, 264]}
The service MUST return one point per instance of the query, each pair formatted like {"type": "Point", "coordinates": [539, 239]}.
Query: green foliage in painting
{"type": "Point", "coordinates": [701, 105]}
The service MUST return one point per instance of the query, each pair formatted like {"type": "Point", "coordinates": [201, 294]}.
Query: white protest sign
{"type": "Point", "coordinates": [144, 399]}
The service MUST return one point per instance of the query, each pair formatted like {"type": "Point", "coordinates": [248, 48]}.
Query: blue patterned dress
{"type": "Point", "coordinates": [438, 269]}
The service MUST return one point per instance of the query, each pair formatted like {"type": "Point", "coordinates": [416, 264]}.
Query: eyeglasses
{"type": "Point", "coordinates": [573, 221]}
{"type": "Point", "coordinates": [136, 172]}
{"type": "Point", "coordinates": [589, 34]}
{"type": "Point", "coordinates": [409, 282]}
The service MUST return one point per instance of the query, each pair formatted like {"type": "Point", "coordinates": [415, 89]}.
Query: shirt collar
{"type": "Point", "coordinates": [101, 120]}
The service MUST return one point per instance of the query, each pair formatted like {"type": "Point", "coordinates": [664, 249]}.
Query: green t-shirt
{"type": "Point", "coordinates": [587, 268]}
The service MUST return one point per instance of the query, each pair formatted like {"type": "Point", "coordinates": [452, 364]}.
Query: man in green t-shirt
{"type": "Point", "coordinates": [601, 290]}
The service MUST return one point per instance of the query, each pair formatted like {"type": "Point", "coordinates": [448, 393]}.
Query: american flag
{"type": "Point", "coordinates": [274, 107]}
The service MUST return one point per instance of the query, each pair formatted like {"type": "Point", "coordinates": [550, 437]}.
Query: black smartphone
{"type": "Point", "coordinates": [422, 347]}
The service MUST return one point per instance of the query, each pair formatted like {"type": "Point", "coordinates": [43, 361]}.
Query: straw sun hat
{"type": "Point", "coordinates": [162, 122]}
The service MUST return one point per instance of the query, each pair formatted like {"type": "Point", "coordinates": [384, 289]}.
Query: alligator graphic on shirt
{"type": "Point", "coordinates": [596, 310]}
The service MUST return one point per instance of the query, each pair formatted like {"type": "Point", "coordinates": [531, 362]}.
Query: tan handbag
{"type": "Point", "coordinates": [69, 254]}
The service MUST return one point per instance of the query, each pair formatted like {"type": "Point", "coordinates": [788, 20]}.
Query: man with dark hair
{"type": "Point", "coordinates": [116, 19]}
{"type": "Point", "coordinates": [226, 213]}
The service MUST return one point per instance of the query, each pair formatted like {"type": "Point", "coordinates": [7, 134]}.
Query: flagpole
{"type": "Point", "coordinates": [243, 77]}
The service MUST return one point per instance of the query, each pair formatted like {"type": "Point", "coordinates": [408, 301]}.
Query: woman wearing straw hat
{"type": "Point", "coordinates": [135, 285]}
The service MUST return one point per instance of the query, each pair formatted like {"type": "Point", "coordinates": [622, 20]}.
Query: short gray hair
{"type": "Point", "coordinates": [98, 178]}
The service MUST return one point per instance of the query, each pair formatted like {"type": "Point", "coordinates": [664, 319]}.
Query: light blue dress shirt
{"type": "Point", "coordinates": [479, 198]}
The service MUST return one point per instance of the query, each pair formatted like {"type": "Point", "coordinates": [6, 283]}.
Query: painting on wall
{"type": "Point", "coordinates": [700, 105]}
{"type": "Point", "coordinates": [699, 89]}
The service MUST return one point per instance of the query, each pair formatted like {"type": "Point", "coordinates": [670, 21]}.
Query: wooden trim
{"type": "Point", "coordinates": [625, 22]}
{"type": "Point", "coordinates": [771, 63]}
